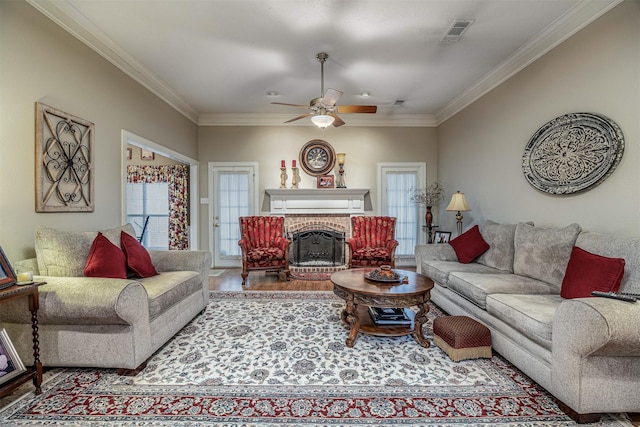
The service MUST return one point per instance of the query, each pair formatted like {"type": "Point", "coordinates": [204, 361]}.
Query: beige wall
{"type": "Point", "coordinates": [39, 61]}
{"type": "Point", "coordinates": [268, 145]}
{"type": "Point", "coordinates": [480, 149]}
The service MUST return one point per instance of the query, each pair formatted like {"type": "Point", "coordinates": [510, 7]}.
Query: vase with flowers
{"type": "Point", "coordinates": [428, 197]}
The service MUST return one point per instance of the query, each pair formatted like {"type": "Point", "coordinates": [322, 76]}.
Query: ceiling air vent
{"type": "Point", "coordinates": [456, 30]}
{"type": "Point", "coordinates": [399, 102]}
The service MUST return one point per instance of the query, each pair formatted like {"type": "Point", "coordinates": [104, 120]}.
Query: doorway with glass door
{"type": "Point", "coordinates": [232, 194]}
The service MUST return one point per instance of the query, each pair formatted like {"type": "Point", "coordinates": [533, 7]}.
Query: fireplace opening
{"type": "Point", "coordinates": [317, 248]}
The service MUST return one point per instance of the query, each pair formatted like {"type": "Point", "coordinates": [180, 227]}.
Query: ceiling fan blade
{"type": "Point", "coordinates": [331, 96]}
{"type": "Point", "coordinates": [299, 117]}
{"type": "Point", "coordinates": [338, 121]}
{"type": "Point", "coordinates": [290, 105]}
{"type": "Point", "coordinates": [357, 108]}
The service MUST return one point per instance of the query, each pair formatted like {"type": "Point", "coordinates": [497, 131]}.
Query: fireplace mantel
{"type": "Point", "coordinates": [348, 201]}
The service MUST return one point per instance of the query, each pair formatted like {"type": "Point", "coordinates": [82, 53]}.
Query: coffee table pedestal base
{"type": "Point", "coordinates": [358, 319]}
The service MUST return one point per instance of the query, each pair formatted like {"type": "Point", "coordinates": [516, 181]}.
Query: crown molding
{"type": "Point", "coordinates": [398, 120]}
{"type": "Point", "coordinates": [575, 19]}
{"type": "Point", "coordinates": [71, 20]}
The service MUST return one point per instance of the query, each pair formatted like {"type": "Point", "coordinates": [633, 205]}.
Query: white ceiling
{"type": "Point", "coordinates": [215, 60]}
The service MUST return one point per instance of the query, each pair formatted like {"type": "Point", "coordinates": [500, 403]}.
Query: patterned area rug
{"type": "Point", "coordinates": [279, 359]}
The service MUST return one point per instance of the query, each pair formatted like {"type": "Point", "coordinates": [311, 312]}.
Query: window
{"type": "Point", "coordinates": [395, 182]}
{"type": "Point", "coordinates": [148, 211]}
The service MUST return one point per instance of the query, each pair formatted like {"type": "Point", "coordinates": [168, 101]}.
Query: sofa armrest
{"type": "Point", "coordinates": [433, 252]}
{"type": "Point", "coordinates": [83, 301]}
{"type": "Point", "coordinates": [199, 261]}
{"type": "Point", "coordinates": [181, 260]}
{"type": "Point", "coordinates": [597, 327]}
{"type": "Point", "coordinates": [26, 265]}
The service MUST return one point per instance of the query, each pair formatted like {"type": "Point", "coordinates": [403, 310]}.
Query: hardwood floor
{"type": "Point", "coordinates": [230, 280]}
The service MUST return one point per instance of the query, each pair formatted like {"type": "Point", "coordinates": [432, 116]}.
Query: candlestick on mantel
{"type": "Point", "coordinates": [294, 178]}
{"type": "Point", "coordinates": [283, 176]}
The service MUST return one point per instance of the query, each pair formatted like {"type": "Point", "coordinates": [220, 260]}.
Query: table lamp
{"type": "Point", "coordinates": [458, 203]}
{"type": "Point", "coordinates": [341, 159]}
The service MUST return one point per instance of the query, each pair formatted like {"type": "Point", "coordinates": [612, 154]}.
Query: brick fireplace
{"type": "Point", "coordinates": [320, 221]}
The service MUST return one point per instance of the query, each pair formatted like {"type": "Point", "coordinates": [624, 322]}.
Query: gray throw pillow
{"type": "Point", "coordinates": [543, 253]}
{"type": "Point", "coordinates": [500, 240]}
{"type": "Point", "coordinates": [64, 253]}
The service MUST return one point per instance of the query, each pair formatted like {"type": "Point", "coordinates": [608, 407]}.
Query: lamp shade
{"type": "Point", "coordinates": [458, 203]}
{"type": "Point", "coordinates": [340, 158]}
{"type": "Point", "coordinates": [322, 120]}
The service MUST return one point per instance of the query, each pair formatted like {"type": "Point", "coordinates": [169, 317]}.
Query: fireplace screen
{"type": "Point", "coordinates": [317, 248]}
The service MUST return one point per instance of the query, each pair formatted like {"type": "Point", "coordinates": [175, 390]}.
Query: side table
{"type": "Point", "coordinates": [33, 372]}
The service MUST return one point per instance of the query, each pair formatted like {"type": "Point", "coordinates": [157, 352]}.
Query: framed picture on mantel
{"type": "Point", "coordinates": [325, 181]}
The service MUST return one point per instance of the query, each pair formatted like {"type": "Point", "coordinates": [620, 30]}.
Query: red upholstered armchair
{"type": "Point", "coordinates": [263, 245]}
{"type": "Point", "coordinates": [373, 242]}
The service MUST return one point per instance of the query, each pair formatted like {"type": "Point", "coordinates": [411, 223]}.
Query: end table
{"type": "Point", "coordinates": [33, 372]}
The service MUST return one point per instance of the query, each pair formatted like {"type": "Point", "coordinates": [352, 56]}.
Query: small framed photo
{"type": "Point", "coordinates": [147, 155]}
{"type": "Point", "coordinates": [325, 181]}
{"type": "Point", "coordinates": [10, 364]}
{"type": "Point", "coordinates": [7, 274]}
{"type": "Point", "coordinates": [129, 153]}
{"type": "Point", "coordinates": [442, 237]}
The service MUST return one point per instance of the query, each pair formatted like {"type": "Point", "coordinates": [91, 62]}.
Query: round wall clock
{"type": "Point", "coordinates": [573, 153]}
{"type": "Point", "coordinates": [317, 157]}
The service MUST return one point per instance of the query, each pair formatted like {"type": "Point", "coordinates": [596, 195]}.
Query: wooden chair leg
{"type": "Point", "coordinates": [244, 277]}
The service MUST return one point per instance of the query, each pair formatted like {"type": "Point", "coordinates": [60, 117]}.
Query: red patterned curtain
{"type": "Point", "coordinates": [177, 177]}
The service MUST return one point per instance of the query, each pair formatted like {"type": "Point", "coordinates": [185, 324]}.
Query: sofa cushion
{"type": "Point", "coordinates": [169, 288]}
{"type": "Point", "coordinates": [105, 260]}
{"type": "Point", "coordinates": [64, 253]}
{"type": "Point", "coordinates": [588, 272]}
{"type": "Point", "coordinates": [532, 315]}
{"type": "Point", "coordinates": [469, 245]}
{"type": "Point", "coordinates": [613, 246]}
{"type": "Point", "coordinates": [543, 253]}
{"type": "Point", "coordinates": [477, 286]}
{"type": "Point", "coordinates": [439, 271]}
{"type": "Point", "coordinates": [138, 258]}
{"type": "Point", "coordinates": [500, 239]}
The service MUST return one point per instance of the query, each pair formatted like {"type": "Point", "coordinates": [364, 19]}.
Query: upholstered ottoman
{"type": "Point", "coordinates": [461, 337]}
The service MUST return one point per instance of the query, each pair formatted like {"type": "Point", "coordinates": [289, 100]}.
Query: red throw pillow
{"type": "Point", "coordinates": [588, 272]}
{"type": "Point", "coordinates": [138, 259]}
{"type": "Point", "coordinates": [469, 245]}
{"type": "Point", "coordinates": [105, 260]}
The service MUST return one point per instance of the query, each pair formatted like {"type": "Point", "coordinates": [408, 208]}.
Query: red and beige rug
{"type": "Point", "coordinates": [279, 359]}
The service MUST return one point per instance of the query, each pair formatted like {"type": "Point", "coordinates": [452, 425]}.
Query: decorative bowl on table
{"type": "Point", "coordinates": [383, 274]}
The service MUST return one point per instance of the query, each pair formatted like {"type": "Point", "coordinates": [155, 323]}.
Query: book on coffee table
{"type": "Point", "coordinates": [389, 316]}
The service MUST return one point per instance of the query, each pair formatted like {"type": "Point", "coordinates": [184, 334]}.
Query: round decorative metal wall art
{"type": "Point", "coordinates": [573, 153]}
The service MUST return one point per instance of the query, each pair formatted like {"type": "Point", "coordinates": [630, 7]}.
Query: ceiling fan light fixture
{"type": "Point", "coordinates": [322, 120]}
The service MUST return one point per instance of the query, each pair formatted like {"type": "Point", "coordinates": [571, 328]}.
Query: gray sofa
{"type": "Point", "coordinates": [102, 322]}
{"type": "Point", "coordinates": [584, 351]}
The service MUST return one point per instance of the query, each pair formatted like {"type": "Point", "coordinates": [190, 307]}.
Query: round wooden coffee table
{"type": "Point", "coordinates": [361, 293]}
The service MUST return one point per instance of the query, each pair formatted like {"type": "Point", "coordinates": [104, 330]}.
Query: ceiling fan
{"type": "Point", "coordinates": [323, 110]}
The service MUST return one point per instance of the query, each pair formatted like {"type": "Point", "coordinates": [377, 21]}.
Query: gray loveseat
{"type": "Point", "coordinates": [584, 351]}
{"type": "Point", "coordinates": [101, 322]}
